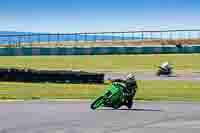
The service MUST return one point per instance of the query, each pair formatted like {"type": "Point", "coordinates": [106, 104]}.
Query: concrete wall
{"type": "Point", "coordinates": [97, 50]}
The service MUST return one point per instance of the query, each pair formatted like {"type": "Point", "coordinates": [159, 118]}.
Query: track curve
{"type": "Point", "coordinates": [77, 117]}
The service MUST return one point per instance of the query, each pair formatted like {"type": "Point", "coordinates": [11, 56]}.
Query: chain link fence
{"type": "Point", "coordinates": [168, 37]}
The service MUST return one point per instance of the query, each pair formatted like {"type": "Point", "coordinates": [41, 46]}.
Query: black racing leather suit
{"type": "Point", "coordinates": [129, 91]}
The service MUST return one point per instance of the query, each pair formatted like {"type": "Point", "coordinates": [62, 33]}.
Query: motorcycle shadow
{"type": "Point", "coordinates": [169, 76]}
{"type": "Point", "coordinates": [134, 109]}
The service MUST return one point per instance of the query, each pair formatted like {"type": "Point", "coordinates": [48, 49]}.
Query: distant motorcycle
{"type": "Point", "coordinates": [164, 71]}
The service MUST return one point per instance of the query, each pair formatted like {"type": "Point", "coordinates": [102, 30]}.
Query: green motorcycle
{"type": "Point", "coordinates": [113, 97]}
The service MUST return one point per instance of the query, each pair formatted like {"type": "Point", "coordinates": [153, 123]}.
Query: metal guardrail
{"type": "Point", "coordinates": [94, 37]}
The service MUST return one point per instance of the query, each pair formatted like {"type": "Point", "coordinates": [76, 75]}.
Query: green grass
{"type": "Point", "coordinates": [169, 90]}
{"type": "Point", "coordinates": [121, 63]}
{"type": "Point", "coordinates": [12, 90]}
{"type": "Point", "coordinates": [148, 90]}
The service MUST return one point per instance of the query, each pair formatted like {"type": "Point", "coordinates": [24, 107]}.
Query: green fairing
{"type": "Point", "coordinates": [113, 97]}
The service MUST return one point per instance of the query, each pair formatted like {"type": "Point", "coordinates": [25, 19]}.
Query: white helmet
{"type": "Point", "coordinates": [166, 63]}
{"type": "Point", "coordinates": [130, 76]}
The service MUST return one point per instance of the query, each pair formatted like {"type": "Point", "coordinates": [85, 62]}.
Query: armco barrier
{"type": "Point", "coordinates": [98, 50]}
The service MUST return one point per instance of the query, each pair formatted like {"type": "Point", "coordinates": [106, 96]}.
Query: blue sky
{"type": "Point", "coordinates": [98, 15]}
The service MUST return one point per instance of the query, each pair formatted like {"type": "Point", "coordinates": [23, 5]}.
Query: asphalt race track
{"type": "Point", "coordinates": [77, 117]}
{"type": "Point", "coordinates": [152, 76]}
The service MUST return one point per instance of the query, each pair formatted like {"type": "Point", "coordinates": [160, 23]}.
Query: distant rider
{"type": "Point", "coordinates": [166, 66]}
{"type": "Point", "coordinates": [129, 90]}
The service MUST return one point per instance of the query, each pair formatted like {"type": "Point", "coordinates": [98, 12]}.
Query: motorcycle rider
{"type": "Point", "coordinates": [166, 66]}
{"type": "Point", "coordinates": [129, 90]}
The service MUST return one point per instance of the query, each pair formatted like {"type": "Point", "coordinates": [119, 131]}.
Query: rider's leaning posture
{"type": "Point", "coordinates": [129, 89]}
{"type": "Point", "coordinates": [165, 66]}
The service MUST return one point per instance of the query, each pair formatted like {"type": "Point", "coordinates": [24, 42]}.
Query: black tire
{"type": "Point", "coordinates": [97, 103]}
{"type": "Point", "coordinates": [158, 73]}
{"type": "Point", "coordinates": [116, 106]}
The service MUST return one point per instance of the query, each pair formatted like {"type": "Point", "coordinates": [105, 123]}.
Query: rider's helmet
{"type": "Point", "coordinates": [130, 76]}
{"type": "Point", "coordinates": [165, 65]}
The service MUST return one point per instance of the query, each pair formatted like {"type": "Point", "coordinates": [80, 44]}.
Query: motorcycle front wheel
{"type": "Point", "coordinates": [97, 103]}
{"type": "Point", "coordinates": [158, 73]}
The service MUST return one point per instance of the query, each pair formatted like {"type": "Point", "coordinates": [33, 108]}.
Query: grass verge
{"type": "Point", "coordinates": [118, 63]}
{"type": "Point", "coordinates": [148, 90]}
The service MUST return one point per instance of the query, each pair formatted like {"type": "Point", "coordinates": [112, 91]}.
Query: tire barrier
{"type": "Point", "coordinates": [29, 75]}
{"type": "Point", "coordinates": [99, 50]}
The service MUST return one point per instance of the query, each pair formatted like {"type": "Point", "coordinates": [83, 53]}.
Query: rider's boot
{"type": "Point", "coordinates": [129, 104]}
